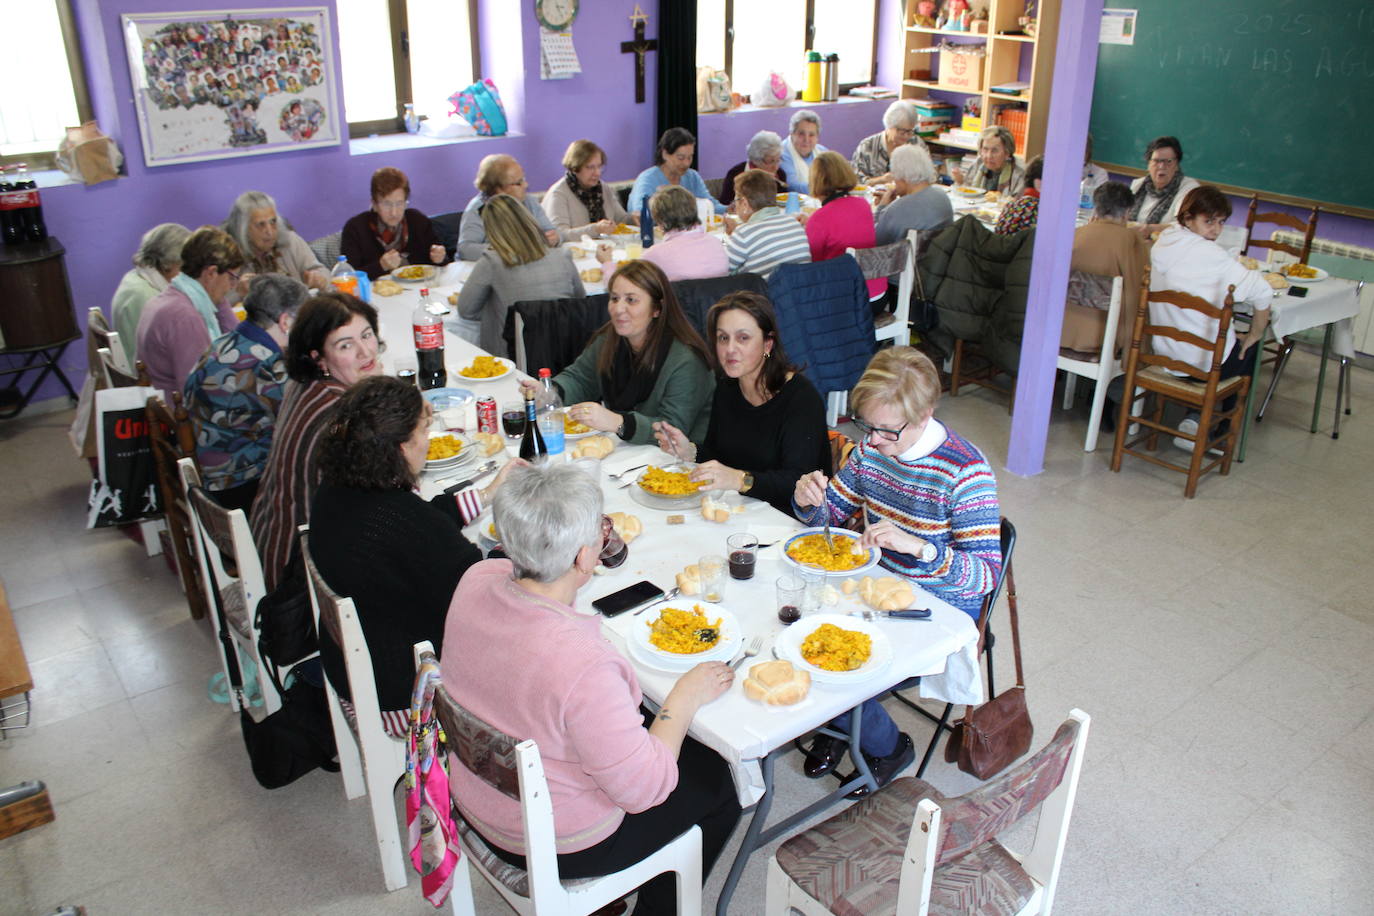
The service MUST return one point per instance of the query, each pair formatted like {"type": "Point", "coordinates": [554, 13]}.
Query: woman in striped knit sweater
{"type": "Point", "coordinates": [929, 502]}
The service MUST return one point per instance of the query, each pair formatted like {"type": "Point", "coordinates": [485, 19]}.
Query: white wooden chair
{"type": "Point", "coordinates": [910, 850]}
{"type": "Point", "coordinates": [880, 262]}
{"type": "Point", "coordinates": [1101, 370]}
{"type": "Point", "coordinates": [221, 533]}
{"type": "Point", "coordinates": [514, 768]}
{"type": "Point", "coordinates": [110, 348]}
{"type": "Point", "coordinates": [370, 760]}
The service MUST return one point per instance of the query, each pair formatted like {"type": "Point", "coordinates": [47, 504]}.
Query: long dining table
{"type": "Point", "coordinates": [749, 736]}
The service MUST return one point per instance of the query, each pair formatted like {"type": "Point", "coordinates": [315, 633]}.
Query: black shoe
{"type": "Point", "coordinates": [824, 754]}
{"type": "Point", "coordinates": [885, 769]}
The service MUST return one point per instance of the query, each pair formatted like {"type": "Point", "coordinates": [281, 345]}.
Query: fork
{"type": "Point", "coordinates": [627, 470]}
{"type": "Point", "coordinates": [829, 541]}
{"type": "Point", "coordinates": [750, 651]}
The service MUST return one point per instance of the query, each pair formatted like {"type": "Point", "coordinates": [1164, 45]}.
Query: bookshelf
{"type": "Point", "coordinates": [1005, 59]}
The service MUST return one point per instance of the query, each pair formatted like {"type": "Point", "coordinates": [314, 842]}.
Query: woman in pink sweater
{"type": "Point", "coordinates": [842, 221]}
{"type": "Point", "coordinates": [520, 655]}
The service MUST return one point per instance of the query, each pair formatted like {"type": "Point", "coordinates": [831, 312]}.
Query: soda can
{"type": "Point", "coordinates": [487, 419]}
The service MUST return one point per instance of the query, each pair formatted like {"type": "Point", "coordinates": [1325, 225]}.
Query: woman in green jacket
{"type": "Point", "coordinates": [645, 365]}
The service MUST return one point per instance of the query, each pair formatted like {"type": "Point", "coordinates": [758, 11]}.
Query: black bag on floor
{"type": "Point", "coordinates": [293, 740]}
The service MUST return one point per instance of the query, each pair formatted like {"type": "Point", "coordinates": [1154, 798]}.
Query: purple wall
{"type": "Point", "coordinates": [318, 189]}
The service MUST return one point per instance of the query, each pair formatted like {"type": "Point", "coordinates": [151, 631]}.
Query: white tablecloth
{"type": "Point", "coordinates": [943, 650]}
{"type": "Point", "coordinates": [1331, 301]}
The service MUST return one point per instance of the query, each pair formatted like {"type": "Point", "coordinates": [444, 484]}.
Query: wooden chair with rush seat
{"type": "Point", "coordinates": [1153, 380]}
{"type": "Point", "coordinates": [172, 437]}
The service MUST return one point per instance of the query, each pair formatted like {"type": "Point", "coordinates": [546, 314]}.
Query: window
{"type": "Point", "coordinates": [749, 39]}
{"type": "Point", "coordinates": [386, 63]}
{"type": "Point", "coordinates": [32, 124]}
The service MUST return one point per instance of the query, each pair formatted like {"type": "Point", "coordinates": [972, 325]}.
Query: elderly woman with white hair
{"type": "Point", "coordinates": [912, 202]}
{"type": "Point", "coordinates": [764, 153]}
{"type": "Point", "coordinates": [872, 157]}
{"type": "Point", "coordinates": [156, 262]}
{"type": "Point", "coordinates": [520, 654]}
{"type": "Point", "coordinates": [996, 168]}
{"type": "Point", "coordinates": [269, 247]}
{"type": "Point", "coordinates": [800, 148]}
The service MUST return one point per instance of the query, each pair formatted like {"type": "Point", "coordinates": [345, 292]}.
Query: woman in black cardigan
{"type": "Point", "coordinates": [390, 233]}
{"type": "Point", "coordinates": [767, 424]}
{"type": "Point", "coordinates": [376, 541]}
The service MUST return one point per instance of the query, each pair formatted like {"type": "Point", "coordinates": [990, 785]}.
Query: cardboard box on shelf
{"type": "Point", "coordinates": [963, 72]}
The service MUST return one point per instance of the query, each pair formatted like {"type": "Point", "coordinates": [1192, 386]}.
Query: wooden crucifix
{"type": "Point", "coordinates": [639, 47]}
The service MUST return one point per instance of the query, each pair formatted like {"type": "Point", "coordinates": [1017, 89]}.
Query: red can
{"type": "Point", "coordinates": [487, 420]}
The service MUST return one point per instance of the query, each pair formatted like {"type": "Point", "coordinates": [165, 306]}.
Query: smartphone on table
{"type": "Point", "coordinates": [627, 599]}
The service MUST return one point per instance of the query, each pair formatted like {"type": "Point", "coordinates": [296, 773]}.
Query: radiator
{"type": "Point", "coordinates": [1354, 262]}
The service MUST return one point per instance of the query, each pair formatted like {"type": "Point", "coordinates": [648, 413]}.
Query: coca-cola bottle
{"type": "Point", "coordinates": [429, 345]}
{"type": "Point", "coordinates": [34, 228]}
{"type": "Point", "coordinates": [11, 230]}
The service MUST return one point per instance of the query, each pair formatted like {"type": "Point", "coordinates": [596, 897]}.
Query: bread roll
{"type": "Point", "coordinates": [593, 447]}
{"type": "Point", "coordinates": [1248, 263]}
{"type": "Point", "coordinates": [714, 510]}
{"type": "Point", "coordinates": [887, 593]}
{"type": "Point", "coordinates": [489, 443]}
{"type": "Point", "coordinates": [777, 683]}
{"type": "Point", "coordinates": [626, 525]}
{"type": "Point", "coordinates": [1277, 281]}
{"type": "Point", "coordinates": [689, 580]}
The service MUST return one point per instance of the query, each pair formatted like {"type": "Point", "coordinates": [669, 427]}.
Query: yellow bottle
{"type": "Point", "coordinates": [812, 92]}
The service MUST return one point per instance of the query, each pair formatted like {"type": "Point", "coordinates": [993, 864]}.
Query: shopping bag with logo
{"type": "Point", "coordinates": [480, 105]}
{"type": "Point", "coordinates": [126, 489]}
{"type": "Point", "coordinates": [713, 90]}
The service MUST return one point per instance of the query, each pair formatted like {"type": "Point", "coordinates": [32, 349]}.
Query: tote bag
{"type": "Point", "coordinates": [480, 105]}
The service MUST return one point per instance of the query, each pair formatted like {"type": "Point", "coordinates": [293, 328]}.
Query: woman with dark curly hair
{"type": "Point", "coordinates": [332, 345]}
{"type": "Point", "coordinates": [375, 540]}
{"type": "Point", "coordinates": [767, 424]}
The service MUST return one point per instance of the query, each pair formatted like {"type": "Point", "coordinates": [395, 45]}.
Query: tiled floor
{"type": "Point", "coordinates": [1223, 646]}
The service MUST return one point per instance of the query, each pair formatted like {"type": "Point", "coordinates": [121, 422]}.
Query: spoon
{"type": "Point", "coordinates": [627, 470]}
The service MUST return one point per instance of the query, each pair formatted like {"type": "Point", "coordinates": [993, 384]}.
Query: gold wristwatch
{"type": "Point", "coordinates": [748, 482]}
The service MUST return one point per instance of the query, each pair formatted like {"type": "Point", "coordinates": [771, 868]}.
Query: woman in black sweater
{"type": "Point", "coordinates": [376, 541]}
{"type": "Point", "coordinates": [767, 424]}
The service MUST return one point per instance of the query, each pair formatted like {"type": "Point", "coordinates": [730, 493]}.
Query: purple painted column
{"type": "Point", "coordinates": [1075, 64]}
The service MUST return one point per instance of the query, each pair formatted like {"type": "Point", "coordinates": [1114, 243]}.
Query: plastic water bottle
{"type": "Point", "coordinates": [343, 277]}
{"type": "Point", "coordinates": [412, 122]}
{"type": "Point", "coordinates": [1085, 194]}
{"type": "Point", "coordinates": [549, 407]}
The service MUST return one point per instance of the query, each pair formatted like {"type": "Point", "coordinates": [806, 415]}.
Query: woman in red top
{"type": "Point", "coordinates": [842, 221]}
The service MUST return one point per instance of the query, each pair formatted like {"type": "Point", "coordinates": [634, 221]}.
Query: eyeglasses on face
{"type": "Point", "coordinates": [868, 429]}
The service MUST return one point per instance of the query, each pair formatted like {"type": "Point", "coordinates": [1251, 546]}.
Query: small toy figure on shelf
{"type": "Point", "coordinates": [956, 15]}
{"type": "Point", "coordinates": [924, 17]}
{"type": "Point", "coordinates": [1027, 22]}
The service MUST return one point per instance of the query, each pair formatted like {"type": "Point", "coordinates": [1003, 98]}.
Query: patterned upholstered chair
{"type": "Point", "coordinates": [910, 850]}
{"type": "Point", "coordinates": [515, 769]}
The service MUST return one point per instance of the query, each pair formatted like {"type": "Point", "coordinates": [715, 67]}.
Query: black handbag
{"type": "Point", "coordinates": [285, 620]}
{"type": "Point", "coordinates": [295, 739]}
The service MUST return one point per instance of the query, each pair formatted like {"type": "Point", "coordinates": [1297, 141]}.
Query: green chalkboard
{"type": "Point", "coordinates": [1274, 95]}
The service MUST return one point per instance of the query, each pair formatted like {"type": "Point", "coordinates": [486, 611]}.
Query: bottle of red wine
{"type": "Point", "coordinates": [532, 447]}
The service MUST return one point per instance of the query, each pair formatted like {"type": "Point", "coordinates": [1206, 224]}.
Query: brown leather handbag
{"type": "Point", "coordinates": [989, 738]}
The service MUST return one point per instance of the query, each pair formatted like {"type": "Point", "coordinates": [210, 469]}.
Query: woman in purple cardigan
{"type": "Point", "coordinates": [521, 655]}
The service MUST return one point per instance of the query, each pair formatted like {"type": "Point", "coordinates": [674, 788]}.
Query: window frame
{"type": "Point", "coordinates": [810, 36]}
{"type": "Point", "coordinates": [400, 64]}
{"type": "Point", "coordinates": [76, 66]}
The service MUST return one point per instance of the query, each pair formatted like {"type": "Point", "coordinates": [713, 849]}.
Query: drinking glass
{"type": "Point", "coordinates": [791, 590]}
{"type": "Point", "coordinates": [712, 568]}
{"type": "Point", "coordinates": [614, 550]}
{"type": "Point", "coordinates": [513, 419]}
{"type": "Point", "coordinates": [813, 580]}
{"type": "Point", "coordinates": [743, 550]}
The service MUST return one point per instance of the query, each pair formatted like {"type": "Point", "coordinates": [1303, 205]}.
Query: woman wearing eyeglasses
{"type": "Point", "coordinates": [1160, 192]}
{"type": "Point", "coordinates": [390, 234]}
{"type": "Point", "coordinates": [928, 500]}
{"type": "Point", "coordinates": [873, 155]}
{"type": "Point", "coordinates": [996, 168]}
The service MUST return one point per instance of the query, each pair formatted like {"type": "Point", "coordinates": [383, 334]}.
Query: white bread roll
{"type": "Point", "coordinates": [777, 683]}
{"type": "Point", "coordinates": [689, 580]}
{"type": "Point", "coordinates": [887, 593]}
{"type": "Point", "coordinates": [626, 525]}
{"type": "Point", "coordinates": [592, 447]}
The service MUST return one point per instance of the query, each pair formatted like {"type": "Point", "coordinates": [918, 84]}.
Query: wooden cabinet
{"type": "Point", "coordinates": [1006, 58]}
{"type": "Point", "coordinates": [36, 320]}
